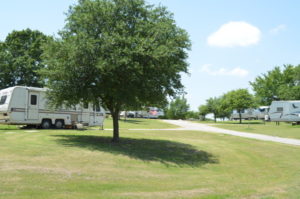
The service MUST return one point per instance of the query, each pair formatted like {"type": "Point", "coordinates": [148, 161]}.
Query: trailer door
{"type": "Point", "coordinates": [33, 106]}
{"type": "Point", "coordinates": [85, 114]}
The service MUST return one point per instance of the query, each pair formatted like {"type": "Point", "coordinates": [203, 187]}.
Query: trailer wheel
{"type": "Point", "coordinates": [59, 124]}
{"type": "Point", "coordinates": [46, 124]}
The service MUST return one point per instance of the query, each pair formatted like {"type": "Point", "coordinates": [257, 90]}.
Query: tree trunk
{"type": "Point", "coordinates": [115, 116]}
{"type": "Point", "coordinates": [215, 118]}
{"type": "Point", "coordinates": [240, 114]}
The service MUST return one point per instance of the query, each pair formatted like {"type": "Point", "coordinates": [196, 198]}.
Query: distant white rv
{"type": "Point", "coordinates": [285, 111]}
{"type": "Point", "coordinates": [246, 114]}
{"type": "Point", "coordinates": [249, 114]}
{"type": "Point", "coordinates": [28, 106]}
{"type": "Point", "coordinates": [152, 113]}
{"type": "Point", "coordinates": [261, 112]}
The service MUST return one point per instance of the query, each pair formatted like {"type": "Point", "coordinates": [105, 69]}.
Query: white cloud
{"type": "Point", "coordinates": [277, 29]}
{"type": "Point", "coordinates": [236, 72]}
{"type": "Point", "coordinates": [235, 34]}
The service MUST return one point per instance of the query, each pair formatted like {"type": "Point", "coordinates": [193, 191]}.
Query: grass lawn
{"type": "Point", "coordinates": [63, 164]}
{"type": "Point", "coordinates": [129, 123]}
{"type": "Point", "coordinates": [283, 130]}
{"type": "Point", "coordinates": [139, 123]}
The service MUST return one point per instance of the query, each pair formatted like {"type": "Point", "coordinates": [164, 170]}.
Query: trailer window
{"type": "Point", "coordinates": [33, 99]}
{"type": "Point", "coordinates": [85, 105]}
{"type": "Point", "coordinates": [279, 109]}
{"type": "Point", "coordinates": [97, 108]}
{"type": "Point", "coordinates": [3, 99]}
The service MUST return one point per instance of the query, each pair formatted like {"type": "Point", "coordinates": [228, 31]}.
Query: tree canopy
{"type": "Point", "coordinates": [178, 108]}
{"type": "Point", "coordinates": [239, 100]}
{"type": "Point", "coordinates": [283, 84]}
{"type": "Point", "coordinates": [125, 53]}
{"type": "Point", "coordinates": [213, 106]}
{"type": "Point", "coordinates": [203, 111]}
{"type": "Point", "coordinates": [20, 58]}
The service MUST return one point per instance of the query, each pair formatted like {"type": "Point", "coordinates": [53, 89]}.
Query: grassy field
{"type": "Point", "coordinates": [129, 123]}
{"type": "Point", "coordinates": [139, 123]}
{"type": "Point", "coordinates": [269, 128]}
{"type": "Point", "coordinates": [64, 164]}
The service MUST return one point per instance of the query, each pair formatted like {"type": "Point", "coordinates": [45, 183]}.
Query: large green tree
{"type": "Point", "coordinates": [214, 106]}
{"type": "Point", "coordinates": [203, 111]}
{"type": "Point", "coordinates": [218, 106]}
{"type": "Point", "coordinates": [178, 108]}
{"type": "Point", "coordinates": [20, 58]}
{"type": "Point", "coordinates": [291, 89]}
{"type": "Point", "coordinates": [224, 110]}
{"type": "Point", "coordinates": [125, 53]}
{"type": "Point", "coordinates": [278, 83]}
{"type": "Point", "coordinates": [239, 100]}
{"type": "Point", "coordinates": [192, 115]}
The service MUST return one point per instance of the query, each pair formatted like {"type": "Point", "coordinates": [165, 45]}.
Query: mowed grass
{"type": "Point", "coordinates": [129, 123]}
{"type": "Point", "coordinates": [286, 130]}
{"type": "Point", "coordinates": [139, 123]}
{"type": "Point", "coordinates": [62, 164]}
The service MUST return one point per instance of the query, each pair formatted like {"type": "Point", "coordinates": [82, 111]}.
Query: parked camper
{"type": "Point", "coordinates": [247, 114]}
{"type": "Point", "coordinates": [152, 113]}
{"type": "Point", "coordinates": [28, 106]}
{"type": "Point", "coordinates": [285, 111]}
{"type": "Point", "coordinates": [262, 112]}
{"type": "Point", "coordinates": [129, 114]}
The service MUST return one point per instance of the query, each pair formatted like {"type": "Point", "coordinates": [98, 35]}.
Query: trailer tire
{"type": "Point", "coordinates": [59, 124]}
{"type": "Point", "coordinates": [46, 124]}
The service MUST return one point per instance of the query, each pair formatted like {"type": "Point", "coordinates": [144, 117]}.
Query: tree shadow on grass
{"type": "Point", "coordinates": [167, 152]}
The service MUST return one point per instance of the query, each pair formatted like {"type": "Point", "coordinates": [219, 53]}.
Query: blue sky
{"type": "Point", "coordinates": [233, 41]}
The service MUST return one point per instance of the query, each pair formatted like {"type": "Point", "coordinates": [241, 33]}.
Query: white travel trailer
{"type": "Point", "coordinates": [246, 114]}
{"type": "Point", "coordinates": [249, 114]}
{"type": "Point", "coordinates": [285, 111]}
{"type": "Point", "coordinates": [261, 112]}
{"type": "Point", "coordinates": [28, 106]}
{"type": "Point", "coordinates": [152, 113]}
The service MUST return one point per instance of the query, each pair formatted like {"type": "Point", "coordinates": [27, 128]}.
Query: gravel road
{"type": "Point", "coordinates": [186, 125]}
{"type": "Point", "coordinates": [191, 126]}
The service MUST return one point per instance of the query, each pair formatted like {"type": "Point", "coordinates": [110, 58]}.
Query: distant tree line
{"type": "Point", "coordinates": [281, 83]}
{"type": "Point", "coordinates": [223, 106]}
{"type": "Point", "coordinates": [220, 107]}
{"type": "Point", "coordinates": [178, 108]}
